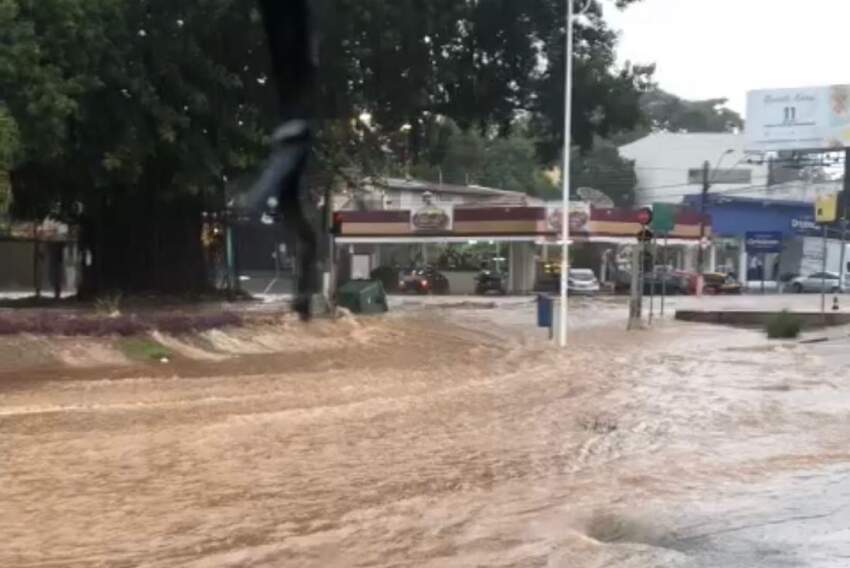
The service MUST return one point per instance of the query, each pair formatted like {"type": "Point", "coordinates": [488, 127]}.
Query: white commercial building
{"type": "Point", "coordinates": [670, 165]}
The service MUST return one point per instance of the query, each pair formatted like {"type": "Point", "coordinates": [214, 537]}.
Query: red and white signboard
{"type": "Point", "coordinates": [579, 217]}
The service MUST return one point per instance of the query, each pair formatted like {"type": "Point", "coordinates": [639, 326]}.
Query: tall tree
{"type": "Point", "coordinates": [663, 111]}
{"type": "Point", "coordinates": [603, 169]}
{"type": "Point", "coordinates": [469, 157]}
{"type": "Point", "coordinates": [9, 147]}
{"type": "Point", "coordinates": [606, 98]}
{"type": "Point", "coordinates": [139, 111]}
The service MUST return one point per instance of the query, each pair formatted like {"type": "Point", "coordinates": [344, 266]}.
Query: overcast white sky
{"type": "Point", "coordinates": [723, 48]}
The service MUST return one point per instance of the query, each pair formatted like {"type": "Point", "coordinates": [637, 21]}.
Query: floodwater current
{"type": "Point", "coordinates": [437, 439]}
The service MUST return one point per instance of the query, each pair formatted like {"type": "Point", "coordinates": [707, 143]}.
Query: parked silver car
{"type": "Point", "coordinates": [817, 282]}
{"type": "Point", "coordinates": [582, 281]}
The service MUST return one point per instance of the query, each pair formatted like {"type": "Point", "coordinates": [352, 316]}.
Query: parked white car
{"type": "Point", "coordinates": [817, 282]}
{"type": "Point", "coordinates": [582, 281]}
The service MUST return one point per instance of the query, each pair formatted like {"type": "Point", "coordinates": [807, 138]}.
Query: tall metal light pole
{"type": "Point", "coordinates": [565, 174]}
{"type": "Point", "coordinates": [708, 177]}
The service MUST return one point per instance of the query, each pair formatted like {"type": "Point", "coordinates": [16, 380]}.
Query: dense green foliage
{"type": "Point", "coordinates": [130, 116]}
{"type": "Point", "coordinates": [661, 110]}
{"type": "Point", "coordinates": [603, 169]}
{"type": "Point", "coordinates": [506, 162]}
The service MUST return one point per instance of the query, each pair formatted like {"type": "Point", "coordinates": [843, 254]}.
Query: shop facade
{"type": "Point", "coordinates": [733, 217]}
{"type": "Point", "coordinates": [521, 242]}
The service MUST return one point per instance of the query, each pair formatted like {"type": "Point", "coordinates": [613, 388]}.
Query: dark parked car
{"type": "Point", "coordinates": [490, 281]}
{"type": "Point", "coordinates": [424, 281]}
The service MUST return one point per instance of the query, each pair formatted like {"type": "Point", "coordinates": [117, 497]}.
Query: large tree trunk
{"type": "Point", "coordinates": [140, 242]}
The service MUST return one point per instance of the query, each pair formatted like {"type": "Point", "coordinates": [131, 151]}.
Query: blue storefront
{"type": "Point", "coordinates": [732, 217]}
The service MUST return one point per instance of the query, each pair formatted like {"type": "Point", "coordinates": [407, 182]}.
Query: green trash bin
{"type": "Point", "coordinates": [363, 297]}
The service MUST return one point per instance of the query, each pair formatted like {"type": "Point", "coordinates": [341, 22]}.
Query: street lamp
{"type": "Point", "coordinates": [565, 174]}
{"type": "Point", "coordinates": [708, 177]}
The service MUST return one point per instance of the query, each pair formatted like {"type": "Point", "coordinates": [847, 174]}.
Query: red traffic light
{"type": "Point", "coordinates": [644, 216]}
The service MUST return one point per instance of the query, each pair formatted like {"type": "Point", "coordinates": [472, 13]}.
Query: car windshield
{"type": "Point", "coordinates": [582, 275]}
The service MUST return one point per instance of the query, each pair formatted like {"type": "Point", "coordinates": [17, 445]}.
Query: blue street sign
{"type": "Point", "coordinates": [763, 242]}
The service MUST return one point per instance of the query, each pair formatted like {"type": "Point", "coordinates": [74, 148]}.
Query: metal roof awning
{"type": "Point", "coordinates": [536, 239]}
{"type": "Point", "coordinates": [412, 239]}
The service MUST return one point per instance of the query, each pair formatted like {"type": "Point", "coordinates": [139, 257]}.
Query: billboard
{"type": "Point", "coordinates": [808, 118]}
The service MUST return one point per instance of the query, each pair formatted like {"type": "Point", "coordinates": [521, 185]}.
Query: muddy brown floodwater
{"type": "Point", "coordinates": [437, 438]}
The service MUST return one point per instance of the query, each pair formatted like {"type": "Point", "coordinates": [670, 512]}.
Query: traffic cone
{"type": "Point", "coordinates": [835, 307]}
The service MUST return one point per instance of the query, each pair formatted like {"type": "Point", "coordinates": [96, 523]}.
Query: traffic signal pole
{"type": "Point", "coordinates": [701, 251]}
{"type": "Point", "coordinates": [634, 301]}
{"type": "Point", "coordinates": [638, 255]}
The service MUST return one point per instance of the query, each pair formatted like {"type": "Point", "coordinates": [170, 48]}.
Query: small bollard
{"type": "Point", "coordinates": [835, 307]}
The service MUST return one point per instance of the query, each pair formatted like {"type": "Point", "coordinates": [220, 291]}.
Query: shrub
{"type": "Point", "coordinates": [784, 325]}
{"type": "Point", "coordinates": [143, 349]}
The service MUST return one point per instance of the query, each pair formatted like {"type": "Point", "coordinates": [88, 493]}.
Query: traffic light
{"type": "Point", "coordinates": [336, 223]}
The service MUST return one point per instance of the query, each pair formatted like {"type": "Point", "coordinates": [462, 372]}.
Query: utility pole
{"type": "Point", "coordinates": [705, 187]}
{"type": "Point", "coordinates": [330, 272]}
{"type": "Point", "coordinates": [565, 173]}
{"type": "Point", "coordinates": [706, 184]}
{"type": "Point", "coordinates": [565, 178]}
{"type": "Point", "coordinates": [845, 196]}
{"type": "Point", "coordinates": [635, 308]}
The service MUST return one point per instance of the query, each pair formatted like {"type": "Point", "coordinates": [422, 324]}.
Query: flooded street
{"type": "Point", "coordinates": [439, 437]}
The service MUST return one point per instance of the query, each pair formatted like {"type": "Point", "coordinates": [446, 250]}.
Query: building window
{"type": "Point", "coordinates": [739, 176]}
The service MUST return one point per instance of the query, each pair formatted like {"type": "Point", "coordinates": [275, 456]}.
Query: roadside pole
{"type": "Point", "coordinates": [823, 276]}
{"type": "Point", "coordinates": [652, 282]}
{"type": "Point", "coordinates": [663, 221]}
{"type": "Point", "coordinates": [643, 236]}
{"type": "Point", "coordinates": [700, 252]}
{"type": "Point", "coordinates": [230, 257]}
{"type": "Point", "coordinates": [842, 272]}
{"type": "Point", "coordinates": [664, 280]}
{"type": "Point", "coordinates": [845, 194]}
{"type": "Point", "coordinates": [634, 302]}
{"type": "Point", "coordinates": [331, 272]}
{"type": "Point", "coordinates": [763, 270]}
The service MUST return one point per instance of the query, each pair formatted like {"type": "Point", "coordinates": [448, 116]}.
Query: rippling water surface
{"type": "Point", "coordinates": [433, 438]}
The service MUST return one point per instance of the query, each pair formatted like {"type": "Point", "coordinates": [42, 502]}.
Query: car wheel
{"type": "Point", "coordinates": [797, 287]}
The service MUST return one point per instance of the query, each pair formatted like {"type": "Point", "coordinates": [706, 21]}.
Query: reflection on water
{"type": "Point", "coordinates": [434, 445]}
